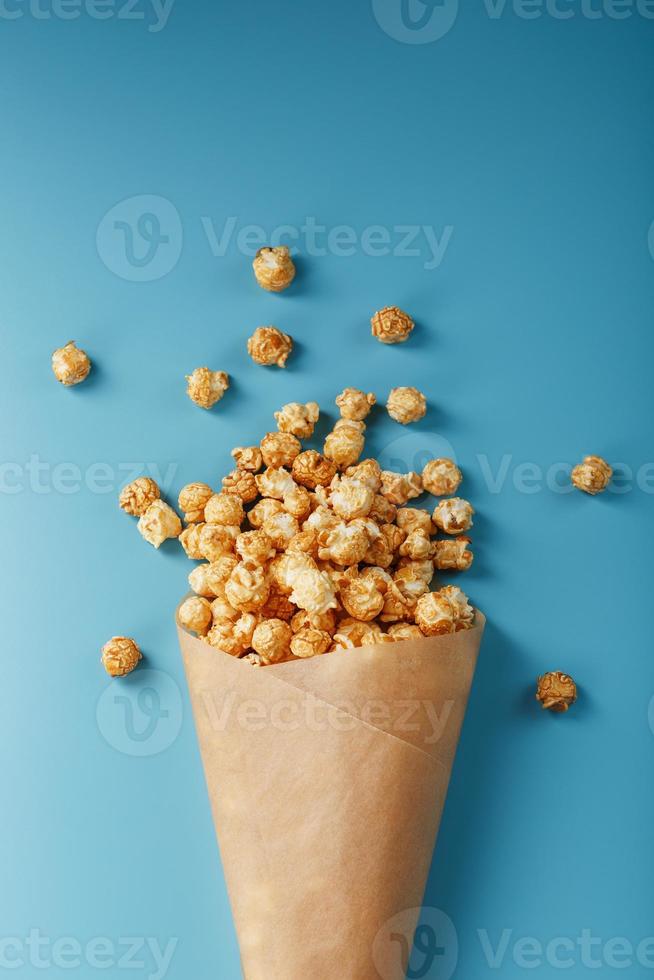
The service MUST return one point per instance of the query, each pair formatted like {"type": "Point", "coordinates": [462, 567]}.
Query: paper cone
{"type": "Point", "coordinates": [327, 779]}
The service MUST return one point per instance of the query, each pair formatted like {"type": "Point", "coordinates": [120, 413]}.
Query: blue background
{"type": "Point", "coordinates": [532, 139]}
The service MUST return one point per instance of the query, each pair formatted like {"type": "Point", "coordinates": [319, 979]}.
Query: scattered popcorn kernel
{"type": "Point", "coordinates": [281, 529]}
{"type": "Point", "coordinates": [368, 471]}
{"type": "Point", "coordinates": [314, 591]}
{"type": "Point", "coordinates": [310, 642]}
{"type": "Point", "coordinates": [247, 588]}
{"type": "Point", "coordinates": [406, 405]}
{"type": "Point", "coordinates": [453, 553]}
{"type": "Point", "coordinates": [593, 475]}
{"type": "Point", "coordinates": [442, 477]}
{"type": "Point", "coordinates": [70, 364]}
{"type": "Point", "coordinates": [404, 631]}
{"type": "Point", "coordinates": [272, 640]}
{"type": "Point", "coordinates": [391, 325]}
{"type": "Point", "coordinates": [255, 547]}
{"type": "Point", "coordinates": [399, 488]}
{"type": "Point", "coordinates": [297, 502]}
{"type": "Point", "coordinates": [263, 509]}
{"type": "Point", "coordinates": [345, 442]}
{"type": "Point", "coordinates": [298, 419]}
{"type": "Point", "coordinates": [417, 546]}
{"type": "Point", "coordinates": [242, 483]}
{"type": "Point", "coordinates": [195, 614]}
{"type": "Point", "coordinates": [137, 496]}
{"type": "Point", "coordinates": [274, 268]}
{"type": "Point", "coordinates": [556, 691]}
{"type": "Point", "coordinates": [280, 449]}
{"type": "Point", "coordinates": [453, 516]}
{"type": "Point", "coordinates": [224, 508]}
{"type": "Point", "coordinates": [206, 387]}
{"type": "Point", "coordinates": [414, 519]}
{"type": "Point", "coordinates": [158, 523]}
{"type": "Point", "coordinates": [234, 638]}
{"type": "Point", "coordinates": [190, 541]}
{"type": "Point", "coordinates": [217, 540]}
{"type": "Point", "coordinates": [311, 470]}
{"type": "Point", "coordinates": [268, 346]}
{"type": "Point", "coordinates": [354, 404]}
{"type": "Point", "coordinates": [275, 482]}
{"type": "Point", "coordinates": [351, 498]}
{"type": "Point", "coordinates": [248, 458]}
{"type": "Point", "coordinates": [435, 614]}
{"type": "Point", "coordinates": [192, 501]}
{"type": "Point", "coordinates": [362, 599]}
{"type": "Point", "coordinates": [120, 655]}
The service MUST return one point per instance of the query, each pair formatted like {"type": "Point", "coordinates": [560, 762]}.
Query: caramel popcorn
{"type": "Point", "coordinates": [248, 458]}
{"type": "Point", "coordinates": [417, 545]}
{"type": "Point", "coordinates": [464, 613]}
{"type": "Point", "coordinates": [278, 606]}
{"type": "Point", "coordinates": [137, 496]}
{"type": "Point", "coordinates": [382, 510]}
{"type": "Point", "coordinates": [268, 346]}
{"type": "Point", "coordinates": [311, 470]}
{"type": "Point", "coordinates": [314, 591]}
{"type": "Point", "coordinates": [120, 655]}
{"type": "Point", "coordinates": [350, 633]}
{"type": "Point", "coordinates": [206, 387]}
{"type": "Point", "coordinates": [383, 548]}
{"type": "Point", "coordinates": [224, 508]}
{"type": "Point", "coordinates": [208, 579]}
{"type": "Point", "coordinates": [234, 638]}
{"type": "Point", "coordinates": [70, 364]}
{"type": "Point", "coordinates": [286, 569]}
{"type": "Point", "coordinates": [192, 501]}
{"type": "Point", "coordinates": [453, 516]}
{"type": "Point", "coordinates": [221, 610]}
{"type": "Point", "coordinates": [217, 540]}
{"type": "Point", "coordinates": [391, 325]}
{"type": "Point", "coordinates": [442, 477]}
{"type": "Point", "coordinates": [158, 523]}
{"type": "Point", "coordinates": [593, 475]}
{"type": "Point", "coordinates": [279, 449]}
{"type": "Point", "coordinates": [411, 580]}
{"type": "Point", "coordinates": [368, 471]}
{"type": "Point", "coordinates": [414, 519]}
{"type": "Point", "coordinates": [354, 404]}
{"type": "Point", "coordinates": [406, 405]}
{"type": "Point", "coordinates": [345, 544]}
{"type": "Point", "coordinates": [297, 502]}
{"type": "Point", "coordinates": [281, 528]}
{"type": "Point", "coordinates": [399, 488]}
{"type": "Point", "coordinates": [255, 547]}
{"type": "Point", "coordinates": [326, 622]}
{"type": "Point", "coordinates": [404, 631]}
{"type": "Point", "coordinates": [453, 553]}
{"type": "Point", "coordinates": [345, 442]}
{"type": "Point", "coordinates": [310, 642]}
{"type": "Point", "coordinates": [362, 599]}
{"type": "Point", "coordinates": [242, 483]}
{"type": "Point", "coordinates": [351, 498]}
{"type": "Point", "coordinates": [263, 509]}
{"type": "Point", "coordinates": [435, 614]}
{"type": "Point", "coordinates": [272, 640]}
{"type": "Point", "coordinates": [190, 541]}
{"type": "Point", "coordinates": [195, 614]}
{"type": "Point", "coordinates": [298, 419]}
{"type": "Point", "coordinates": [275, 482]}
{"type": "Point", "coordinates": [247, 588]}
{"type": "Point", "coordinates": [306, 542]}
{"type": "Point", "coordinates": [556, 691]}
{"type": "Point", "coordinates": [273, 268]}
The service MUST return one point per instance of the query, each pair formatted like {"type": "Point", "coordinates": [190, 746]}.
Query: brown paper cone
{"type": "Point", "coordinates": [327, 779]}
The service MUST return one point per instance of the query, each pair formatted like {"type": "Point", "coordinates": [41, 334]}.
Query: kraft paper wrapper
{"type": "Point", "coordinates": [327, 779]}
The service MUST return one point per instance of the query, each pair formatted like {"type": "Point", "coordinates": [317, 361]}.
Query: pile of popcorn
{"type": "Point", "coordinates": [302, 553]}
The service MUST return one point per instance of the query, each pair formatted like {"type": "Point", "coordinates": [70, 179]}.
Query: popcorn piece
{"type": "Point", "coordinates": [298, 419]}
{"type": "Point", "coordinates": [273, 268]}
{"type": "Point", "coordinates": [321, 519]}
{"type": "Point", "coordinates": [406, 405]}
{"type": "Point", "coordinates": [278, 606]}
{"type": "Point", "coordinates": [217, 540]}
{"type": "Point", "coordinates": [279, 449]}
{"type": "Point", "coordinates": [120, 655]}
{"type": "Point", "coordinates": [234, 638]}
{"type": "Point", "coordinates": [297, 502]}
{"type": "Point", "coordinates": [311, 470]}
{"type": "Point", "coordinates": [350, 633]}
{"type": "Point", "coordinates": [272, 640]}
{"type": "Point", "coordinates": [593, 475]}
{"type": "Point", "coordinates": [404, 631]}
{"type": "Point", "coordinates": [224, 508]}
{"type": "Point", "coordinates": [453, 553]}
{"type": "Point", "coordinates": [206, 387]}
{"type": "Point", "coordinates": [306, 542]}
{"type": "Point", "coordinates": [411, 583]}
{"type": "Point", "coordinates": [383, 549]}
{"type": "Point", "coordinates": [382, 510]}
{"type": "Point", "coordinates": [248, 458]}
{"type": "Point", "coordinates": [345, 544]}
{"type": "Point", "coordinates": [275, 482]}
{"type": "Point", "coordinates": [414, 519]}
{"type": "Point", "coordinates": [263, 509]}
{"type": "Point", "coordinates": [355, 404]}
{"type": "Point", "coordinates": [465, 614]}
{"type": "Point", "coordinates": [362, 599]}
{"type": "Point", "coordinates": [453, 516]}
{"type": "Point", "coordinates": [314, 591]}
{"type": "Point", "coordinates": [326, 622]}
{"type": "Point", "coordinates": [310, 642]}
{"type": "Point", "coordinates": [190, 541]}
{"type": "Point", "coordinates": [281, 529]}
{"type": "Point", "coordinates": [368, 471]}
{"type": "Point", "coordinates": [195, 614]}
{"type": "Point", "coordinates": [345, 442]}
{"type": "Point", "coordinates": [137, 496]}
{"type": "Point", "coordinates": [374, 634]}
{"type": "Point", "coordinates": [242, 483]}
{"type": "Point", "coordinates": [399, 488]}
{"type": "Point", "coordinates": [417, 546]}
{"type": "Point", "coordinates": [435, 614]}
{"type": "Point", "coordinates": [556, 690]}
{"type": "Point", "coordinates": [158, 523]}
{"type": "Point", "coordinates": [397, 607]}
{"type": "Point", "coordinates": [351, 498]}
{"type": "Point", "coordinates": [286, 569]}
{"type": "Point", "coordinates": [208, 579]}
{"type": "Point", "coordinates": [442, 477]}
{"type": "Point", "coordinates": [221, 610]}
{"type": "Point", "coordinates": [268, 346]}
{"type": "Point", "coordinates": [253, 659]}
{"type": "Point", "coordinates": [192, 500]}
{"type": "Point", "coordinates": [70, 364]}
{"type": "Point", "coordinates": [247, 588]}
{"type": "Point", "coordinates": [255, 547]}
{"type": "Point", "coordinates": [391, 325]}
